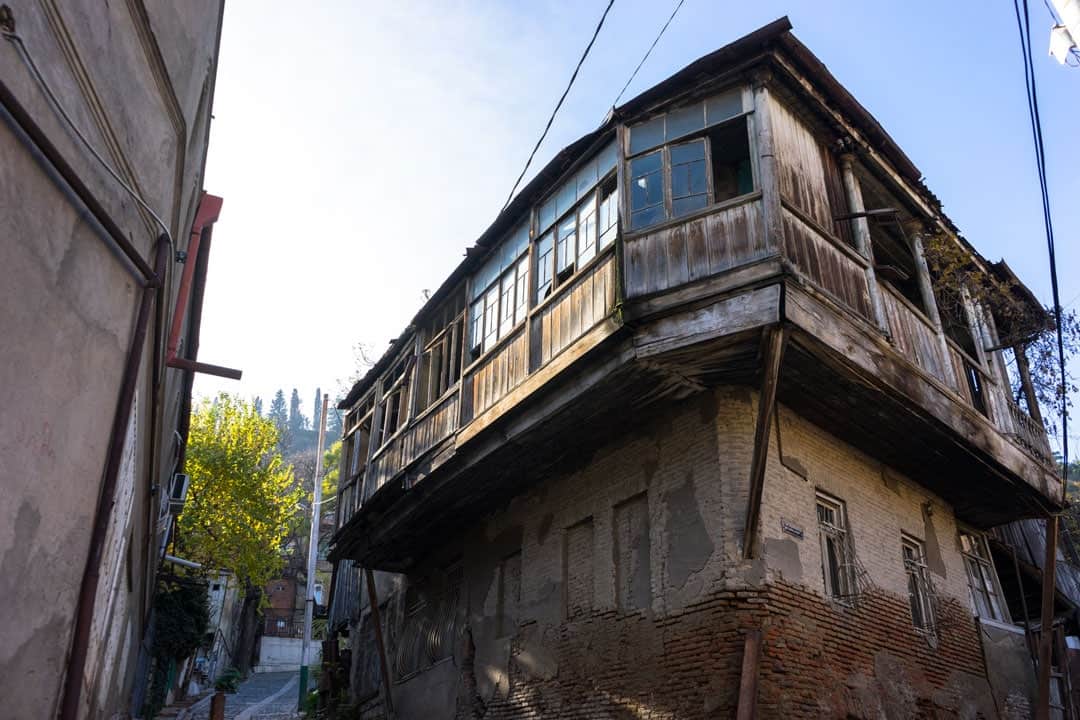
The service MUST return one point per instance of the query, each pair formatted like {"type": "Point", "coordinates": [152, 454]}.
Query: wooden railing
{"type": "Point", "coordinates": [913, 335]}
{"type": "Point", "coordinates": [496, 374]}
{"type": "Point", "coordinates": [827, 262]}
{"type": "Point", "coordinates": [577, 308]}
{"type": "Point", "coordinates": [1026, 432]}
{"type": "Point", "coordinates": [696, 248]}
{"type": "Point", "coordinates": [422, 434]}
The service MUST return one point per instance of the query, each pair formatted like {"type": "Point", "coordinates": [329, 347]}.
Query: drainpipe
{"type": "Point", "coordinates": [39, 144]}
{"type": "Point", "coordinates": [205, 217]}
{"type": "Point", "coordinates": [69, 709]}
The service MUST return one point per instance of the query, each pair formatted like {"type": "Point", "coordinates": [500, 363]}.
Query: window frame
{"type": "Point", "coordinates": [995, 598]}
{"type": "Point", "coordinates": [840, 533]}
{"type": "Point", "coordinates": [920, 589]}
{"type": "Point", "coordinates": [704, 134]}
{"type": "Point", "coordinates": [605, 189]}
{"type": "Point", "coordinates": [450, 340]}
{"type": "Point", "coordinates": [474, 351]}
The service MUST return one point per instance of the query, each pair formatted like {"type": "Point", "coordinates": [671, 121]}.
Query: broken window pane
{"type": "Point", "coordinates": [689, 188]}
{"type": "Point", "coordinates": [646, 190]}
{"type": "Point", "coordinates": [732, 172]}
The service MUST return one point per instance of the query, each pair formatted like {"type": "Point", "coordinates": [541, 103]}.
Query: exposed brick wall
{"type": "Point", "coordinates": [575, 650]}
{"type": "Point", "coordinates": [818, 660]}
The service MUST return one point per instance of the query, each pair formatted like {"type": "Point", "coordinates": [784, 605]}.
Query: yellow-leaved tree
{"type": "Point", "coordinates": [242, 498]}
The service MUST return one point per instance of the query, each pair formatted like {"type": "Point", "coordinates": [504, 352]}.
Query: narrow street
{"type": "Point", "coordinates": [266, 696]}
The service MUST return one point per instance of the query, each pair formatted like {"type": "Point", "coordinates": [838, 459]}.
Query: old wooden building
{"type": "Point", "coordinates": [691, 430]}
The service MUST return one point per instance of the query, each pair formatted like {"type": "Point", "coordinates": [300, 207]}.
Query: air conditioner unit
{"type": "Point", "coordinates": [178, 492]}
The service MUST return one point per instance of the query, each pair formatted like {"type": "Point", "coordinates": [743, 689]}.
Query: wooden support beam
{"type": "Point", "coordinates": [1046, 629]}
{"type": "Point", "coordinates": [860, 227]}
{"type": "Point", "coordinates": [773, 342]}
{"type": "Point", "coordinates": [1020, 352]}
{"type": "Point", "coordinates": [384, 667]}
{"type": "Point", "coordinates": [748, 680]}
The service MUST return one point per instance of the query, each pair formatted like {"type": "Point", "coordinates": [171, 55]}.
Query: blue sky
{"type": "Point", "coordinates": [361, 147]}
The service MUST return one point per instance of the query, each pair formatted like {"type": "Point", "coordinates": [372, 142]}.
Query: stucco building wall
{"type": "Point", "coordinates": [137, 79]}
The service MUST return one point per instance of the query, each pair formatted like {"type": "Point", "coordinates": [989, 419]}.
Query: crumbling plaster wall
{"type": "Point", "coordinates": [680, 654]}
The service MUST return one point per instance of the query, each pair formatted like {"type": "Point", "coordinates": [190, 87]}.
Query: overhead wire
{"type": "Point", "coordinates": [558, 105]}
{"type": "Point", "coordinates": [648, 52]}
{"type": "Point", "coordinates": [1024, 27]}
{"type": "Point", "coordinates": [24, 53]}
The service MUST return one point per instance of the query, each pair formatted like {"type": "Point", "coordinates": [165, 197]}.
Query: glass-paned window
{"type": "Point", "coordinates": [566, 244]}
{"type": "Point", "coordinates": [587, 232]}
{"type": "Point", "coordinates": [545, 265]}
{"type": "Point", "coordinates": [689, 184]}
{"type": "Point", "coordinates": [491, 316]}
{"type": "Point", "coordinates": [711, 164]}
{"type": "Point", "coordinates": [609, 216]}
{"type": "Point", "coordinates": [646, 190]}
{"type": "Point", "coordinates": [521, 302]}
{"type": "Point", "coordinates": [476, 325]}
{"type": "Point", "coordinates": [982, 580]}
{"type": "Point", "coordinates": [506, 303]}
{"type": "Point", "coordinates": [837, 566]}
{"type": "Point", "coordinates": [919, 589]}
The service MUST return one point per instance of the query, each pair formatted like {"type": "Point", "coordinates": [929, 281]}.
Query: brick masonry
{"type": "Point", "coordinates": [581, 650]}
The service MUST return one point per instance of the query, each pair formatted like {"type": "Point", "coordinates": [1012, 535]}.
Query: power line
{"type": "Point", "coordinates": [648, 52]}
{"type": "Point", "coordinates": [559, 104]}
{"type": "Point", "coordinates": [1024, 28]}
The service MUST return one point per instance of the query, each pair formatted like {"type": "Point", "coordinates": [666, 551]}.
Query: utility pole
{"type": "Point", "coordinates": [313, 554]}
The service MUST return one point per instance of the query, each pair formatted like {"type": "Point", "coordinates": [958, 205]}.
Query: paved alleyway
{"type": "Point", "coordinates": [265, 696]}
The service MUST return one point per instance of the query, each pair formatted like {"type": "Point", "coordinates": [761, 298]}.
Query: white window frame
{"type": "Point", "coordinates": [920, 589]}
{"type": "Point", "coordinates": [833, 533]}
{"type": "Point", "coordinates": [986, 580]}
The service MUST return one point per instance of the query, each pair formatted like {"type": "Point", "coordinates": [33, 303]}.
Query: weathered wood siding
{"type": "Point", "coordinates": [827, 263]}
{"type": "Point", "coordinates": [956, 358]}
{"type": "Point", "coordinates": [690, 251]}
{"type": "Point", "coordinates": [807, 172]}
{"type": "Point", "coordinates": [588, 299]}
{"type": "Point", "coordinates": [422, 435]}
{"type": "Point", "coordinates": [499, 373]}
{"type": "Point", "coordinates": [913, 335]}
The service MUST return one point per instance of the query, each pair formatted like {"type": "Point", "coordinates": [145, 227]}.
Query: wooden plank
{"type": "Point", "coordinates": [773, 342]}
{"type": "Point", "coordinates": [879, 363]}
{"type": "Point", "coordinates": [538, 379]}
{"type": "Point", "coordinates": [678, 269]}
{"type": "Point", "coordinates": [751, 309]}
{"type": "Point", "coordinates": [1042, 706]}
{"type": "Point", "coordinates": [748, 677]}
{"type": "Point", "coordinates": [697, 250]}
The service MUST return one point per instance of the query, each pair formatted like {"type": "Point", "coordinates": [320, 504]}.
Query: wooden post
{"type": "Point", "coordinates": [748, 680]}
{"type": "Point", "coordinates": [769, 178]}
{"type": "Point", "coordinates": [926, 290]}
{"type": "Point", "coordinates": [384, 668]}
{"type": "Point", "coordinates": [1029, 387]}
{"type": "Point", "coordinates": [861, 230]}
{"type": "Point", "coordinates": [773, 342]}
{"type": "Point", "coordinates": [1046, 633]}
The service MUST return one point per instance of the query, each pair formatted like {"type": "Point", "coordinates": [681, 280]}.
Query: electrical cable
{"type": "Point", "coordinates": [1024, 28]}
{"type": "Point", "coordinates": [17, 41]}
{"type": "Point", "coordinates": [559, 104]}
{"type": "Point", "coordinates": [648, 52]}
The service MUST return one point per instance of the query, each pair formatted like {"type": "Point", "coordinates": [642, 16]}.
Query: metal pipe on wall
{"type": "Point", "coordinates": [36, 138]}
{"type": "Point", "coordinates": [73, 682]}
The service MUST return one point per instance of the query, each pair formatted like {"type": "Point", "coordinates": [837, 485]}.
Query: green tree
{"type": "Point", "coordinates": [242, 499]}
{"type": "Point", "coordinates": [278, 414]}
{"type": "Point", "coordinates": [297, 421]}
{"type": "Point", "coordinates": [257, 403]}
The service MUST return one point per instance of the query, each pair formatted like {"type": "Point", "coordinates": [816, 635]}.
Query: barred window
{"type": "Point", "coordinates": [919, 588]}
{"type": "Point", "coordinates": [837, 563]}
